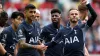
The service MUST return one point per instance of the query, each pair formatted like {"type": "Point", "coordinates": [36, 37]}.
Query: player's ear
{"type": "Point", "coordinates": [12, 20]}
{"type": "Point", "coordinates": [60, 16]}
{"type": "Point", "coordinates": [25, 12]}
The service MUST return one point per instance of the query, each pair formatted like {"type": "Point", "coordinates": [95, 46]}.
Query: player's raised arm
{"type": "Point", "coordinates": [92, 12]}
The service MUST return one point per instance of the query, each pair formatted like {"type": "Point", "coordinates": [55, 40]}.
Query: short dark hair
{"type": "Point", "coordinates": [3, 18]}
{"type": "Point", "coordinates": [16, 14]}
{"type": "Point", "coordinates": [55, 11]}
{"type": "Point", "coordinates": [3, 14]}
{"type": "Point", "coordinates": [30, 6]}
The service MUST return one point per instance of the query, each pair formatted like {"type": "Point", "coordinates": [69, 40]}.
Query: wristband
{"type": "Point", "coordinates": [87, 2]}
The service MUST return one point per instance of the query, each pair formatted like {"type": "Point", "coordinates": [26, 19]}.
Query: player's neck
{"type": "Point", "coordinates": [29, 21]}
{"type": "Point", "coordinates": [56, 25]}
{"type": "Point", "coordinates": [14, 28]}
{"type": "Point", "coordinates": [72, 25]}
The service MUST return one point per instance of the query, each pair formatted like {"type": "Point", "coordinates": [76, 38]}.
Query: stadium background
{"type": "Point", "coordinates": [93, 34]}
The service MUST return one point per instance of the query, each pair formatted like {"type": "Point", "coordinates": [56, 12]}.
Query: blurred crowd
{"type": "Point", "coordinates": [93, 34]}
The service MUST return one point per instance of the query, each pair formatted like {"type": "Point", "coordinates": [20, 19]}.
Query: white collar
{"type": "Point", "coordinates": [1, 29]}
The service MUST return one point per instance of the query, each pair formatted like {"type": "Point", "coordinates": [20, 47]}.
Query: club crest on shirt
{"type": "Point", "coordinates": [20, 34]}
{"type": "Point", "coordinates": [75, 31]}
